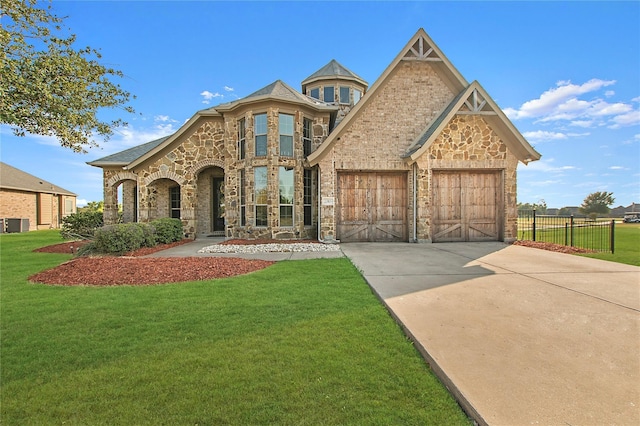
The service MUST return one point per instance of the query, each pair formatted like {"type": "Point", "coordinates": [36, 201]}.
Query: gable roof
{"type": "Point", "coordinates": [12, 178]}
{"type": "Point", "coordinates": [474, 100]}
{"type": "Point", "coordinates": [125, 157]}
{"type": "Point", "coordinates": [278, 90]}
{"type": "Point", "coordinates": [333, 70]}
{"type": "Point", "coordinates": [419, 48]}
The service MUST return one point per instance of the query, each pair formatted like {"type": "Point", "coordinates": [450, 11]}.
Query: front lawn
{"type": "Point", "coordinates": [301, 342]}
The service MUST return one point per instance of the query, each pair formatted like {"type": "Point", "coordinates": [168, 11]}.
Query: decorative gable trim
{"type": "Point", "coordinates": [420, 47]}
{"type": "Point", "coordinates": [474, 100]}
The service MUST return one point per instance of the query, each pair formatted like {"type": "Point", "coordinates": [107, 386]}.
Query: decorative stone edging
{"type": "Point", "coordinates": [269, 248]}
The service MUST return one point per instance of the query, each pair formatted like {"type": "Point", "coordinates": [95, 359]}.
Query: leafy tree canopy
{"type": "Point", "coordinates": [47, 86]}
{"type": "Point", "coordinates": [597, 203]}
{"type": "Point", "coordinates": [540, 207]}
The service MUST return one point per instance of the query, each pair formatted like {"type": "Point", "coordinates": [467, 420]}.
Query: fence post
{"type": "Point", "coordinates": [566, 233]}
{"type": "Point", "coordinates": [613, 233]}
{"type": "Point", "coordinates": [533, 230]}
{"type": "Point", "coordinates": [571, 221]}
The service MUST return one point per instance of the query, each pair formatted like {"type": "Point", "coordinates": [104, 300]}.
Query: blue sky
{"type": "Point", "coordinates": [566, 73]}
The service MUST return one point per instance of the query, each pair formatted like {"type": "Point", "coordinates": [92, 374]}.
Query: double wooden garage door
{"type": "Point", "coordinates": [467, 206]}
{"type": "Point", "coordinates": [372, 207]}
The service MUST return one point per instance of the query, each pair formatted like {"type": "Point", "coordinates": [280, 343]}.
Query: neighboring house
{"type": "Point", "coordinates": [621, 210]}
{"type": "Point", "coordinates": [422, 155]}
{"type": "Point", "coordinates": [24, 196]}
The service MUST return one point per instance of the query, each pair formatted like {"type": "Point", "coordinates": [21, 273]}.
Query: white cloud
{"type": "Point", "coordinates": [547, 166]}
{"type": "Point", "coordinates": [542, 135]}
{"type": "Point", "coordinates": [81, 202]}
{"type": "Point", "coordinates": [616, 168]}
{"type": "Point", "coordinates": [164, 119]}
{"type": "Point", "coordinates": [565, 103]}
{"type": "Point", "coordinates": [207, 95]}
{"type": "Point", "coordinates": [630, 118]}
{"type": "Point", "coordinates": [228, 89]}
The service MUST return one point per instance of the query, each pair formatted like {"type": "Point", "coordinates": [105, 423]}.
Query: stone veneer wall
{"type": "Point", "coordinates": [467, 143]}
{"type": "Point", "coordinates": [376, 139]}
{"type": "Point", "coordinates": [211, 149]}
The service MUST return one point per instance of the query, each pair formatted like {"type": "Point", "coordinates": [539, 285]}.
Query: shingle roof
{"type": "Point", "coordinates": [12, 178]}
{"type": "Point", "coordinates": [277, 90]}
{"type": "Point", "coordinates": [125, 157]}
{"type": "Point", "coordinates": [333, 70]}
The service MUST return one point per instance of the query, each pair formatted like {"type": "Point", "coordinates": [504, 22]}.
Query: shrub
{"type": "Point", "coordinates": [121, 238]}
{"type": "Point", "coordinates": [149, 234]}
{"type": "Point", "coordinates": [81, 225]}
{"type": "Point", "coordinates": [167, 230]}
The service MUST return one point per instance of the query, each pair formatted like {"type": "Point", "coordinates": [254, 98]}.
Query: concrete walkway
{"type": "Point", "coordinates": [520, 336]}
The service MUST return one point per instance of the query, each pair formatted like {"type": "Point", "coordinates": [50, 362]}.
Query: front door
{"type": "Point", "coordinates": [217, 209]}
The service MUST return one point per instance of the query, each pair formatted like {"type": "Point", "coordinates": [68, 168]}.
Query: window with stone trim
{"type": "Point", "coordinates": [285, 180]}
{"type": "Point", "coordinates": [329, 94]}
{"type": "Point", "coordinates": [315, 93]}
{"type": "Point", "coordinates": [174, 201]}
{"type": "Point", "coordinates": [285, 125]}
{"type": "Point", "coordinates": [307, 136]}
{"type": "Point", "coordinates": [242, 142]}
{"type": "Point", "coordinates": [243, 198]}
{"type": "Point", "coordinates": [260, 188]}
{"type": "Point", "coordinates": [344, 95]}
{"type": "Point", "coordinates": [260, 130]}
{"type": "Point", "coordinates": [308, 196]}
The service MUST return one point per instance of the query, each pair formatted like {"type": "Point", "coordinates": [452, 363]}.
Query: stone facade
{"type": "Point", "coordinates": [268, 165]}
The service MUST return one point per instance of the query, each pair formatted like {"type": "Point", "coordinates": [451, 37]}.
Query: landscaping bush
{"type": "Point", "coordinates": [81, 225]}
{"type": "Point", "coordinates": [122, 238]}
{"type": "Point", "coordinates": [167, 230]}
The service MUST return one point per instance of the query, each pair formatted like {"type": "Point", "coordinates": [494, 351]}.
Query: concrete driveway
{"type": "Point", "coordinates": [521, 336]}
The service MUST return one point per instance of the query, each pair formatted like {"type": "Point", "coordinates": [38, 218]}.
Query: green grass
{"type": "Point", "coordinates": [301, 342]}
{"type": "Point", "coordinates": [627, 245]}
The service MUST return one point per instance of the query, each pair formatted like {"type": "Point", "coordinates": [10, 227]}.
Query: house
{"type": "Point", "coordinates": [422, 155]}
{"type": "Point", "coordinates": [28, 203]}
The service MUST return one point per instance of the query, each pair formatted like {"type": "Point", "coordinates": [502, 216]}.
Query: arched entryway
{"type": "Point", "coordinates": [211, 204]}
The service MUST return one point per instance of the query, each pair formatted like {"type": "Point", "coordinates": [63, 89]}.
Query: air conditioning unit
{"type": "Point", "coordinates": [17, 225]}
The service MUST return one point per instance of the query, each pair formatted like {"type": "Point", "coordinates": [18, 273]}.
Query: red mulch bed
{"type": "Point", "coordinates": [552, 247]}
{"type": "Point", "coordinates": [134, 270]}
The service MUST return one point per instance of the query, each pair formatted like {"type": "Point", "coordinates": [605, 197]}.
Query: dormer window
{"type": "Point", "coordinates": [315, 93]}
{"type": "Point", "coordinates": [329, 94]}
{"type": "Point", "coordinates": [344, 95]}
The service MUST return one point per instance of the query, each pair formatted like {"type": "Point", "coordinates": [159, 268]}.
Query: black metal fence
{"type": "Point", "coordinates": [570, 231]}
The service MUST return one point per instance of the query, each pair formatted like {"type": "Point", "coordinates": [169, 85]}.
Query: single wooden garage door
{"type": "Point", "coordinates": [372, 207]}
{"type": "Point", "coordinates": [467, 206]}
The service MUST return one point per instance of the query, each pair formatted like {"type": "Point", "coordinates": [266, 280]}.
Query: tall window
{"type": "Point", "coordinates": [285, 124]}
{"type": "Point", "coordinates": [307, 136]}
{"type": "Point", "coordinates": [344, 95]}
{"type": "Point", "coordinates": [356, 96]}
{"type": "Point", "coordinates": [243, 198]}
{"type": "Point", "coordinates": [329, 94]}
{"type": "Point", "coordinates": [260, 183]}
{"type": "Point", "coordinates": [242, 142]}
{"type": "Point", "coordinates": [174, 201]}
{"type": "Point", "coordinates": [260, 130]}
{"type": "Point", "coordinates": [285, 178]}
{"type": "Point", "coordinates": [308, 191]}
{"type": "Point", "coordinates": [315, 93]}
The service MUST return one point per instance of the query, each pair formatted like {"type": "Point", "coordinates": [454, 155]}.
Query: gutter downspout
{"type": "Point", "coordinates": [415, 202]}
{"type": "Point", "coordinates": [319, 203]}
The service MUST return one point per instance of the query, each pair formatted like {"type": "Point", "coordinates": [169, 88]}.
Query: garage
{"type": "Point", "coordinates": [467, 206]}
{"type": "Point", "coordinates": [372, 206]}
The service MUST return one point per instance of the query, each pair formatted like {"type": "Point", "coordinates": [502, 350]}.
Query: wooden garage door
{"type": "Point", "coordinates": [467, 206]}
{"type": "Point", "coordinates": [372, 207]}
